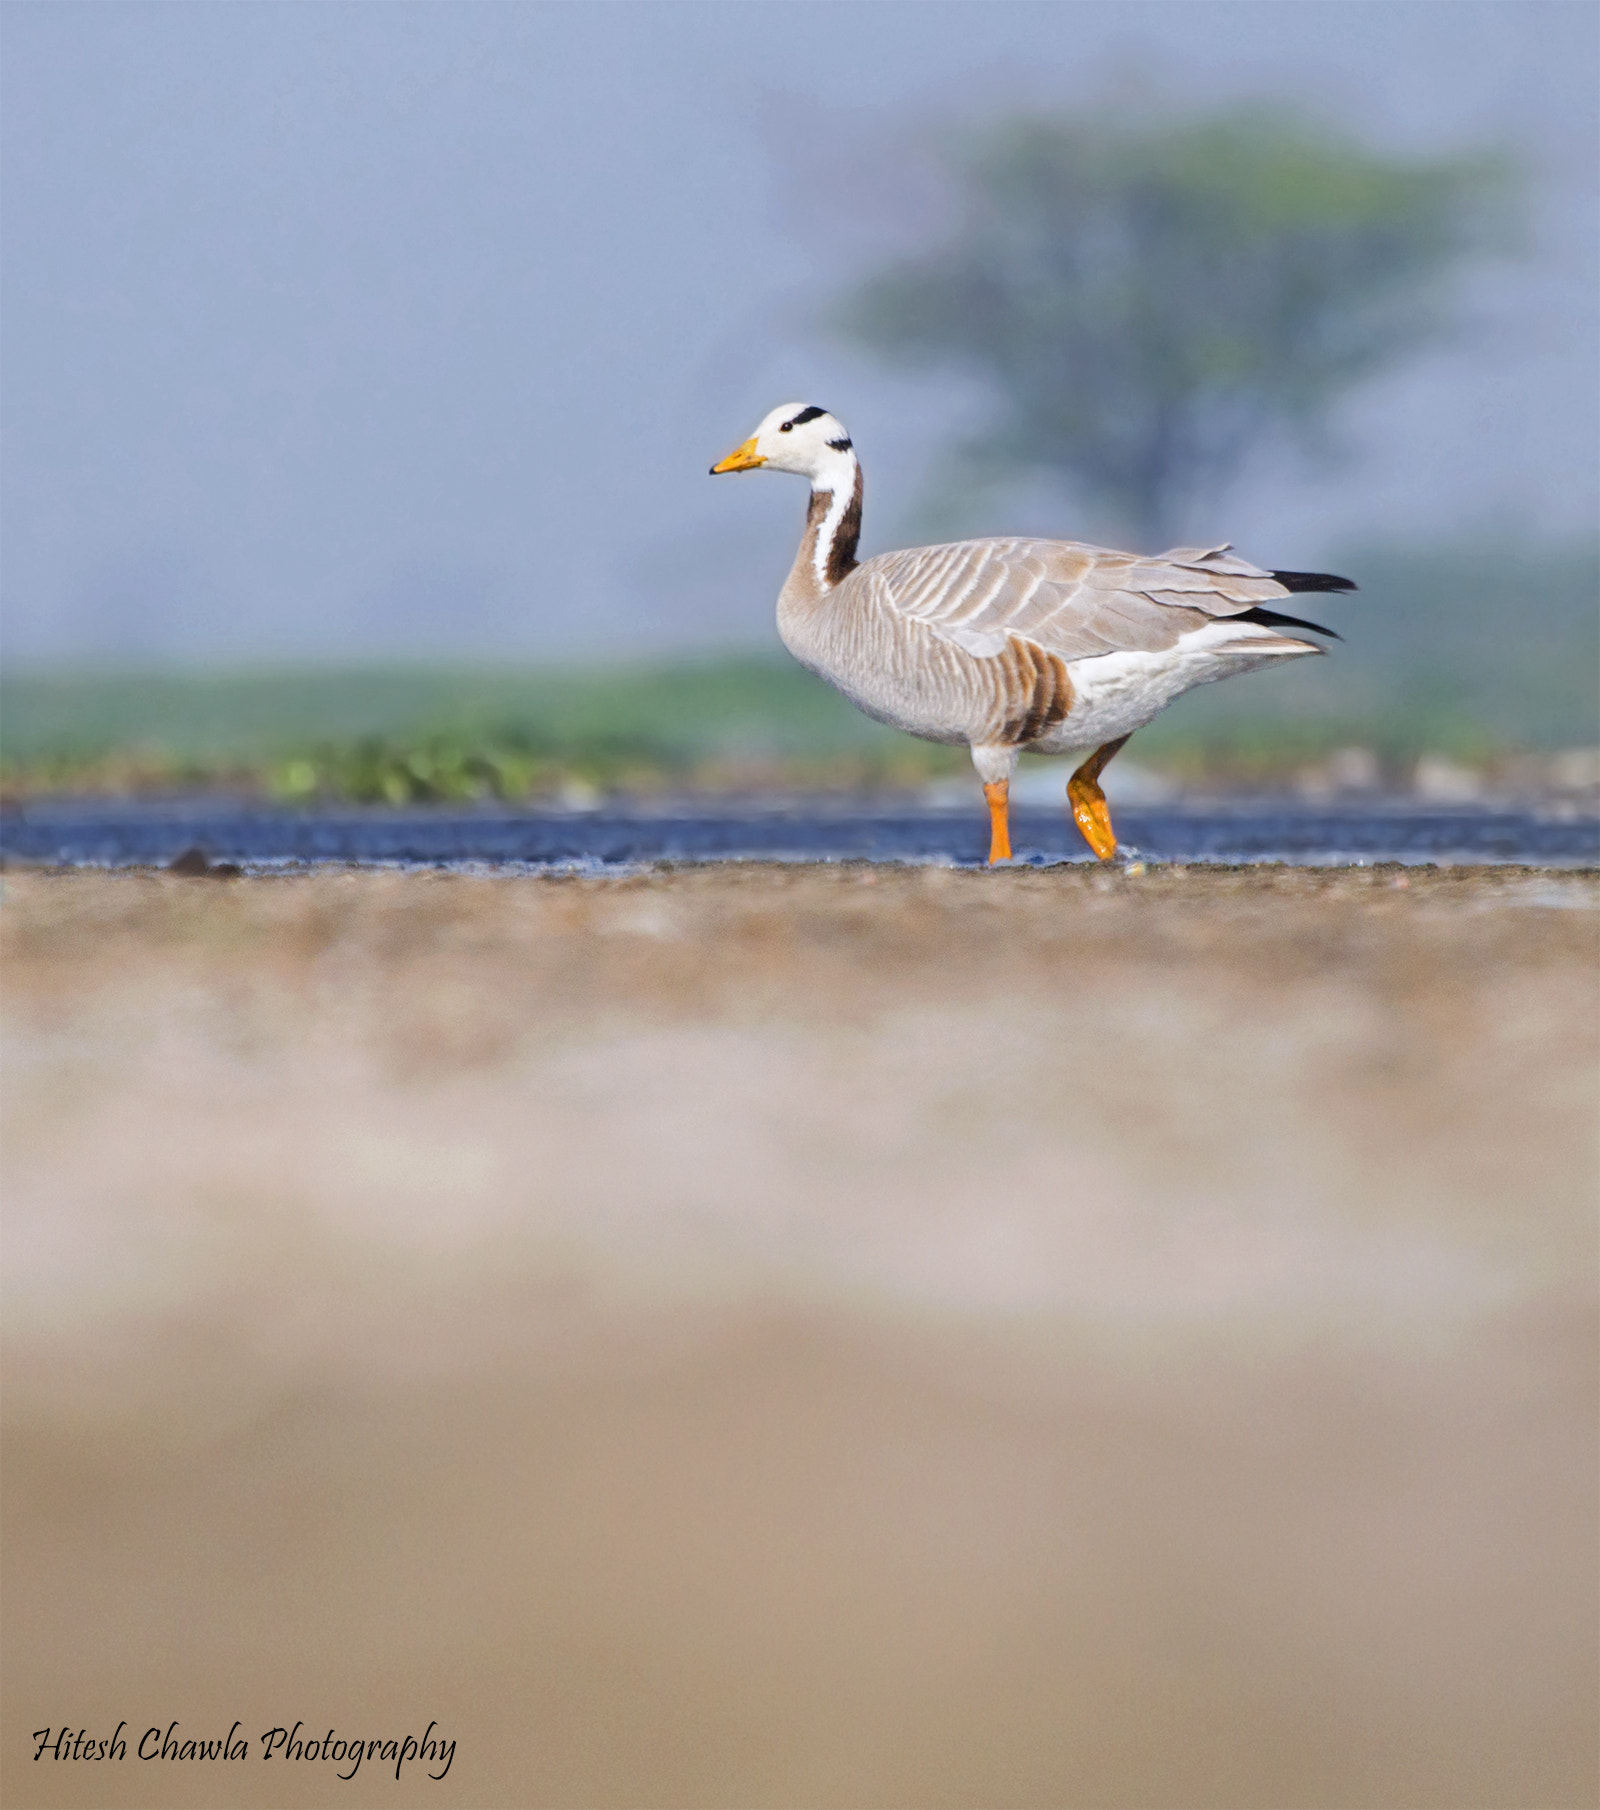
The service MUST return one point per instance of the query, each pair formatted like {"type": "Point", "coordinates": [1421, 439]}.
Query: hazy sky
{"type": "Point", "coordinates": [373, 330]}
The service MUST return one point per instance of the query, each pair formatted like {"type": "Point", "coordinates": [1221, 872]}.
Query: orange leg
{"type": "Point", "coordinates": [1089, 802]}
{"type": "Point", "coordinates": [997, 793]}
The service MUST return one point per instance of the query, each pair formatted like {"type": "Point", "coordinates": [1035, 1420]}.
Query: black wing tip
{"type": "Point", "coordinates": [1275, 619]}
{"type": "Point", "coordinates": [1315, 581]}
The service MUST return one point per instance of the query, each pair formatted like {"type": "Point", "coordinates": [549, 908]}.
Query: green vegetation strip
{"type": "Point", "coordinates": [1478, 655]}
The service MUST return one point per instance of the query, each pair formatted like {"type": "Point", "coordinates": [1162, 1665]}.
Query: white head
{"type": "Point", "coordinates": [798, 438]}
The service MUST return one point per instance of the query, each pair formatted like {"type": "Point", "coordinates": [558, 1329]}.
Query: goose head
{"type": "Point", "coordinates": [797, 437]}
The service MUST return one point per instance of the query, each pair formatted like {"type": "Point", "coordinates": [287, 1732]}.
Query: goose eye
{"type": "Point", "coordinates": [786, 428]}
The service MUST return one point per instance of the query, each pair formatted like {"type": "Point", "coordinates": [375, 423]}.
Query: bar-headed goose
{"type": "Point", "coordinates": [1004, 645]}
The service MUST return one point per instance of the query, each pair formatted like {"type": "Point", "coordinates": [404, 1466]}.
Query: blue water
{"type": "Point", "coordinates": [151, 834]}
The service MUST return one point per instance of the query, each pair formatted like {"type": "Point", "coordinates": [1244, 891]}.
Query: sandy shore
{"type": "Point", "coordinates": [795, 1336]}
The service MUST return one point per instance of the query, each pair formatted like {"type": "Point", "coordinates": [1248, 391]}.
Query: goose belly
{"type": "Point", "coordinates": [1114, 694]}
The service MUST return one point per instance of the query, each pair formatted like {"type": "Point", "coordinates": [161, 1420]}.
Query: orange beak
{"type": "Point", "coordinates": [742, 458]}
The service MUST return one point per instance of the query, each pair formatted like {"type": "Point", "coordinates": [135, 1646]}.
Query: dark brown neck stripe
{"type": "Point", "coordinates": [846, 537]}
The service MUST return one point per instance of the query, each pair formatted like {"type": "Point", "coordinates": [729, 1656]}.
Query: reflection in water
{"type": "Point", "coordinates": [1256, 832]}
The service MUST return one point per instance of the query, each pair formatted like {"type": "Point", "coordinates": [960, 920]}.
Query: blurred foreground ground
{"type": "Point", "coordinates": [807, 1336]}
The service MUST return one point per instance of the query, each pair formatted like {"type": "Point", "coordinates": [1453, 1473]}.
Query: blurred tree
{"type": "Point", "coordinates": [1153, 302]}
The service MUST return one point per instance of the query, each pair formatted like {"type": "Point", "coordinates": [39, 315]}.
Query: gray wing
{"type": "Point", "coordinates": [1066, 598]}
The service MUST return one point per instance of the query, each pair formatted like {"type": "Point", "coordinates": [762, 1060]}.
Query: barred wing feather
{"type": "Point", "coordinates": [1065, 597]}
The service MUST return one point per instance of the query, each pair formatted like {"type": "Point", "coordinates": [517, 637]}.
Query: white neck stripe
{"type": "Point", "coordinates": [840, 485]}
